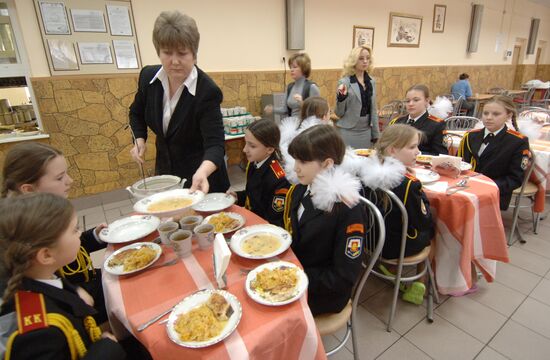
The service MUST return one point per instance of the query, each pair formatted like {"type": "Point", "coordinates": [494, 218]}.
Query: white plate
{"type": "Point", "coordinates": [129, 229]}
{"type": "Point", "coordinates": [118, 270]}
{"type": "Point", "coordinates": [142, 205]}
{"type": "Point", "coordinates": [233, 215]}
{"type": "Point", "coordinates": [465, 166]}
{"type": "Point", "coordinates": [301, 286]}
{"type": "Point", "coordinates": [214, 202]}
{"type": "Point", "coordinates": [426, 176]}
{"type": "Point", "coordinates": [241, 235]}
{"type": "Point", "coordinates": [195, 300]}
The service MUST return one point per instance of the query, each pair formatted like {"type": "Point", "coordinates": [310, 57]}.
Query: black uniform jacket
{"type": "Point", "coordinates": [195, 132]}
{"type": "Point", "coordinates": [420, 229]}
{"type": "Point", "coordinates": [265, 191]}
{"type": "Point", "coordinates": [50, 342]}
{"type": "Point", "coordinates": [329, 246]}
{"type": "Point", "coordinates": [503, 160]}
{"type": "Point", "coordinates": [433, 129]}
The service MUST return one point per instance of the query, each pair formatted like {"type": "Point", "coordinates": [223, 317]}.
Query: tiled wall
{"type": "Point", "coordinates": [86, 116]}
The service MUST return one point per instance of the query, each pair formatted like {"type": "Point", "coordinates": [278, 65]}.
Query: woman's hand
{"type": "Point", "coordinates": [200, 178]}
{"type": "Point", "coordinates": [98, 229]}
{"type": "Point", "coordinates": [138, 151]}
{"type": "Point", "coordinates": [268, 110]}
{"type": "Point", "coordinates": [298, 98]}
{"type": "Point", "coordinates": [232, 193]}
{"type": "Point", "coordinates": [83, 294]}
{"type": "Point", "coordinates": [342, 90]}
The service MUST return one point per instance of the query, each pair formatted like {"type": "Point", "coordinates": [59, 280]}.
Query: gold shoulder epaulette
{"type": "Point", "coordinates": [393, 121]}
{"type": "Point", "coordinates": [277, 169]}
{"type": "Point", "coordinates": [515, 133]}
{"type": "Point", "coordinates": [411, 177]}
{"type": "Point", "coordinates": [435, 118]}
{"type": "Point", "coordinates": [31, 311]}
{"type": "Point", "coordinates": [474, 130]}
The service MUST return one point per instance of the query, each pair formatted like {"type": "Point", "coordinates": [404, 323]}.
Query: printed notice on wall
{"type": "Point", "coordinates": [119, 20]}
{"type": "Point", "coordinates": [54, 18]}
{"type": "Point", "coordinates": [95, 53]}
{"type": "Point", "coordinates": [125, 54]}
{"type": "Point", "coordinates": [88, 20]}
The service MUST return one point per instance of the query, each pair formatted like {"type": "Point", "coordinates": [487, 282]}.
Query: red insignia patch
{"type": "Point", "coordinates": [277, 169]}
{"type": "Point", "coordinates": [360, 228]}
{"type": "Point", "coordinates": [31, 311]}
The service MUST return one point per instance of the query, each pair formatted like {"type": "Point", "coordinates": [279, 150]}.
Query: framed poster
{"type": "Point", "coordinates": [62, 54]}
{"type": "Point", "coordinates": [54, 18]}
{"type": "Point", "coordinates": [125, 54]}
{"type": "Point", "coordinates": [363, 35]}
{"type": "Point", "coordinates": [88, 20]}
{"type": "Point", "coordinates": [438, 25]}
{"type": "Point", "coordinates": [404, 30]}
{"type": "Point", "coordinates": [95, 53]}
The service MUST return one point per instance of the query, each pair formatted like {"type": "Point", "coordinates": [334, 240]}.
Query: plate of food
{"type": "Point", "coordinates": [129, 229]}
{"type": "Point", "coordinates": [464, 166]}
{"type": "Point", "coordinates": [424, 159]}
{"type": "Point", "coordinates": [204, 318]}
{"type": "Point", "coordinates": [168, 203]}
{"type": "Point", "coordinates": [214, 202]}
{"type": "Point", "coordinates": [260, 241]}
{"type": "Point", "coordinates": [225, 222]}
{"type": "Point", "coordinates": [132, 258]}
{"type": "Point", "coordinates": [276, 283]}
{"type": "Point", "coordinates": [364, 152]}
{"type": "Point", "coordinates": [426, 176]}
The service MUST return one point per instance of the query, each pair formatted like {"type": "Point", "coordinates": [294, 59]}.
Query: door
{"type": "Point", "coordinates": [517, 75]}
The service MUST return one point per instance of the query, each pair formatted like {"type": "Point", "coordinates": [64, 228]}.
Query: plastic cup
{"type": "Point", "coordinates": [181, 242]}
{"type": "Point", "coordinates": [205, 235]}
{"type": "Point", "coordinates": [165, 230]}
{"type": "Point", "coordinates": [190, 222]}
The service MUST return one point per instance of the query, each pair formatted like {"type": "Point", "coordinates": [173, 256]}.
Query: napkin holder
{"type": "Point", "coordinates": [446, 165]}
{"type": "Point", "coordinates": [220, 260]}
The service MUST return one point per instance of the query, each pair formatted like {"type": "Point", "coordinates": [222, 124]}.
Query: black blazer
{"type": "Point", "coordinates": [504, 159]}
{"type": "Point", "coordinates": [265, 191]}
{"type": "Point", "coordinates": [324, 244]}
{"type": "Point", "coordinates": [195, 132]}
{"type": "Point", "coordinates": [433, 129]}
{"type": "Point", "coordinates": [50, 342]}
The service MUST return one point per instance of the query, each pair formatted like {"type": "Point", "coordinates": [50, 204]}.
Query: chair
{"type": "Point", "coordinates": [497, 91]}
{"type": "Point", "coordinates": [527, 190]}
{"type": "Point", "coordinates": [328, 324]}
{"type": "Point", "coordinates": [386, 114]}
{"type": "Point", "coordinates": [461, 122]}
{"type": "Point", "coordinates": [388, 197]}
{"type": "Point", "coordinates": [525, 100]}
{"type": "Point", "coordinates": [452, 141]}
{"type": "Point", "coordinates": [457, 109]}
{"type": "Point", "coordinates": [543, 102]}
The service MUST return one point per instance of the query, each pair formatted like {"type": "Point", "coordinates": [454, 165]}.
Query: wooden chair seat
{"type": "Point", "coordinates": [331, 323]}
{"type": "Point", "coordinates": [411, 260]}
{"type": "Point", "coordinates": [530, 189]}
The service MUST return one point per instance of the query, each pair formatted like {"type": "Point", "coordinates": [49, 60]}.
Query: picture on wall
{"type": "Point", "coordinates": [438, 25]}
{"type": "Point", "coordinates": [404, 30]}
{"type": "Point", "coordinates": [62, 54]}
{"type": "Point", "coordinates": [363, 35]}
{"type": "Point", "coordinates": [54, 18]}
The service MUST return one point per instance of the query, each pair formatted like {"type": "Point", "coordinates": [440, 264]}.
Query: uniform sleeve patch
{"type": "Point", "coordinates": [277, 169]}
{"type": "Point", "coordinates": [282, 191]}
{"type": "Point", "coordinates": [353, 228]}
{"type": "Point", "coordinates": [31, 311]}
{"type": "Point", "coordinates": [524, 162]}
{"type": "Point", "coordinates": [354, 247]}
{"type": "Point", "coordinates": [278, 203]}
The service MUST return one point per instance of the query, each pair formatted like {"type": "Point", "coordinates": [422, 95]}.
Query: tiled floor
{"type": "Point", "coordinates": [507, 319]}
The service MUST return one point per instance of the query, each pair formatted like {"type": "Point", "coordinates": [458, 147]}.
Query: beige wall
{"type": "Point", "coordinates": [241, 35]}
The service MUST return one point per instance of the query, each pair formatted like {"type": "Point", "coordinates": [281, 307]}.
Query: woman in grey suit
{"type": "Point", "coordinates": [356, 100]}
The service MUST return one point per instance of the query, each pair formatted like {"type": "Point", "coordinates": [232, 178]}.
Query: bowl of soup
{"type": "Point", "coordinates": [155, 184]}
{"type": "Point", "coordinates": [168, 203]}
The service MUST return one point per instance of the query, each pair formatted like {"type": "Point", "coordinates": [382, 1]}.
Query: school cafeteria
{"type": "Point", "coordinates": [236, 180]}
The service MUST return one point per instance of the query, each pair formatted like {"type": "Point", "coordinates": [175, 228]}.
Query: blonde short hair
{"type": "Point", "coordinates": [174, 30]}
{"type": "Point", "coordinates": [397, 136]}
{"type": "Point", "coordinates": [353, 57]}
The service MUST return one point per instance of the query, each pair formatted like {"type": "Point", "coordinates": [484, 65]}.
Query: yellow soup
{"type": "Point", "coordinates": [260, 244]}
{"type": "Point", "coordinates": [169, 204]}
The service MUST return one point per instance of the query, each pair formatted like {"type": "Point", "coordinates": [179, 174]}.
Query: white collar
{"type": "Point", "coordinates": [487, 132]}
{"type": "Point", "coordinates": [418, 117]}
{"type": "Point", "coordinates": [56, 282]}
{"type": "Point", "coordinates": [190, 83]}
{"type": "Point", "coordinates": [259, 164]}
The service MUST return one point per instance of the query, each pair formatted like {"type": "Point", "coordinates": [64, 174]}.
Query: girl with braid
{"type": "Point", "coordinates": [44, 316]}
{"type": "Point", "coordinates": [36, 167]}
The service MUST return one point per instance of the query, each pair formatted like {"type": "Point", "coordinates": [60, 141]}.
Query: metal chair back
{"type": "Point", "coordinates": [461, 122]}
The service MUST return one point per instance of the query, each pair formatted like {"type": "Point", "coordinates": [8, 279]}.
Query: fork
{"type": "Point", "coordinates": [168, 263]}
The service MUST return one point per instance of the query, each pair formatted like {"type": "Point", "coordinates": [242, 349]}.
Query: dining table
{"type": "Point", "coordinates": [479, 100]}
{"type": "Point", "coordinates": [469, 230]}
{"type": "Point", "coordinates": [264, 332]}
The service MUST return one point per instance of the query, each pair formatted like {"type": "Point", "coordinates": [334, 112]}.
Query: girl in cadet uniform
{"type": "Point", "coordinates": [327, 236]}
{"type": "Point", "coordinates": [497, 151]}
{"type": "Point", "coordinates": [418, 100]}
{"type": "Point", "coordinates": [36, 167]}
{"type": "Point", "coordinates": [266, 184]}
{"type": "Point", "coordinates": [44, 316]}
